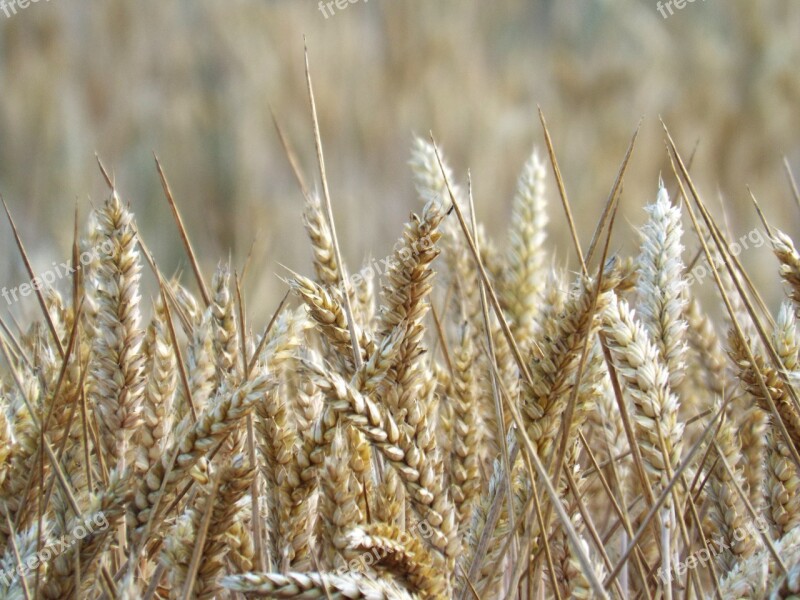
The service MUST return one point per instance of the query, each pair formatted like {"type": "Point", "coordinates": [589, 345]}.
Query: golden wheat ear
{"type": "Point", "coordinates": [116, 371]}
{"type": "Point", "coordinates": [728, 515]}
{"type": "Point", "coordinates": [466, 432]}
{"type": "Point", "coordinates": [158, 487]}
{"type": "Point", "coordinates": [224, 326]}
{"type": "Point", "coordinates": [554, 365]}
{"type": "Point", "coordinates": [339, 508]}
{"type": "Point", "coordinates": [748, 373]}
{"type": "Point", "coordinates": [660, 287]}
{"type": "Point", "coordinates": [157, 406]}
{"type": "Point", "coordinates": [783, 247]}
{"type": "Point", "coordinates": [316, 585]}
{"type": "Point", "coordinates": [325, 265]}
{"type": "Point", "coordinates": [326, 309]}
{"type": "Point", "coordinates": [525, 276]}
{"type": "Point", "coordinates": [401, 554]}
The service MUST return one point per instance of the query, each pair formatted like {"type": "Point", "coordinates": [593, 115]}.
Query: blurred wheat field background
{"type": "Point", "coordinates": [194, 82]}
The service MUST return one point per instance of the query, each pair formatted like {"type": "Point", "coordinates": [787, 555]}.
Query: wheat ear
{"type": "Point", "coordinates": [752, 577]}
{"type": "Point", "coordinates": [647, 381]}
{"type": "Point", "coordinates": [116, 369]}
{"type": "Point", "coordinates": [660, 288]}
{"type": "Point", "coordinates": [747, 373]}
{"type": "Point", "coordinates": [234, 484]}
{"type": "Point", "coordinates": [706, 348]}
{"type": "Point", "coordinates": [109, 507]}
{"type": "Point", "coordinates": [284, 456]}
{"type": "Point", "coordinates": [326, 309]}
{"type": "Point", "coordinates": [226, 335]}
{"type": "Point", "coordinates": [525, 278]}
{"type": "Point", "coordinates": [339, 506]}
{"type": "Point", "coordinates": [728, 513]}
{"type": "Point", "coordinates": [657, 426]}
{"type": "Point", "coordinates": [347, 586]}
{"type": "Point", "coordinates": [402, 555]}
{"type": "Point", "coordinates": [783, 247]}
{"type": "Point", "coordinates": [21, 548]}
{"type": "Point", "coordinates": [222, 415]}
{"type": "Point", "coordinates": [553, 369]}
{"type": "Point", "coordinates": [201, 364]}
{"type": "Point", "coordinates": [319, 233]}
{"type": "Point", "coordinates": [157, 411]}
{"type": "Point", "coordinates": [466, 431]}
{"type": "Point", "coordinates": [782, 486]}
{"type": "Point", "coordinates": [786, 340]}
{"type": "Point", "coordinates": [395, 442]}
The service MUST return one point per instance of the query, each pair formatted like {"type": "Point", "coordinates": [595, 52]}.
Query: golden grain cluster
{"type": "Point", "coordinates": [472, 422]}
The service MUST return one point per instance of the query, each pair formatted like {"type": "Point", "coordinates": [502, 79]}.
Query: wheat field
{"type": "Point", "coordinates": [460, 419]}
{"type": "Point", "coordinates": [307, 353]}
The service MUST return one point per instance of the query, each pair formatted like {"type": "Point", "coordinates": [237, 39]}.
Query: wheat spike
{"type": "Point", "coordinates": [466, 431]}
{"type": "Point", "coordinates": [417, 472]}
{"type": "Point", "coordinates": [325, 308]}
{"type": "Point", "coordinates": [103, 513]}
{"type": "Point", "coordinates": [161, 367]}
{"type": "Point", "coordinates": [319, 233]}
{"type": "Point", "coordinates": [782, 486]}
{"type": "Point", "coordinates": [117, 381]}
{"type": "Point", "coordinates": [660, 288]}
{"type": "Point", "coordinates": [728, 513]}
{"type": "Point", "coordinates": [753, 425]}
{"type": "Point", "coordinates": [339, 506]}
{"type": "Point", "coordinates": [409, 280]}
{"type": "Point", "coordinates": [785, 338]}
{"type": "Point", "coordinates": [226, 334]}
{"type": "Point", "coordinates": [706, 348]}
{"type": "Point", "coordinates": [20, 550]}
{"type": "Point", "coordinates": [647, 381]}
{"type": "Point", "coordinates": [177, 552]}
{"type": "Point", "coordinates": [192, 443]}
{"type": "Point", "coordinates": [775, 385]}
{"type": "Point", "coordinates": [753, 576]}
{"type": "Point", "coordinates": [234, 484]}
{"type": "Point", "coordinates": [554, 368]}
{"type": "Point", "coordinates": [783, 247]}
{"type": "Point", "coordinates": [201, 364]}
{"type": "Point", "coordinates": [347, 586]}
{"type": "Point", "coordinates": [402, 555]}
{"type": "Point", "coordinates": [525, 277]}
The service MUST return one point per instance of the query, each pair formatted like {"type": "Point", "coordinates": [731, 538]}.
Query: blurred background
{"type": "Point", "coordinates": [194, 81]}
